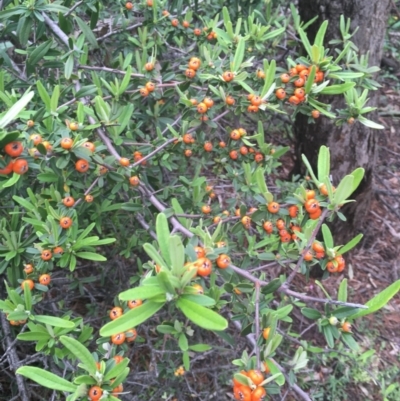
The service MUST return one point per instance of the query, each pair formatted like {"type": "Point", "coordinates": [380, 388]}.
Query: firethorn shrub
{"type": "Point", "coordinates": [134, 163]}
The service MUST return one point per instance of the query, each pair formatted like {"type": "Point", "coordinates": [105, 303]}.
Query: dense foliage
{"type": "Point", "coordinates": [138, 134]}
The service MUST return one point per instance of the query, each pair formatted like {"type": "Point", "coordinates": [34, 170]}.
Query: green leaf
{"type": "Point", "coordinates": [13, 180]}
{"type": "Point", "coordinates": [54, 321]}
{"type": "Point", "coordinates": [152, 252]}
{"type": "Point", "coordinates": [117, 369]}
{"type": "Point", "coordinates": [16, 109]}
{"type": "Point", "coordinates": [69, 66]}
{"type": "Point", "coordinates": [310, 80]}
{"type": "Point", "coordinates": [369, 123]}
{"type": "Point", "coordinates": [338, 89]}
{"type": "Point", "coordinates": [317, 105]}
{"type": "Point", "coordinates": [239, 55]}
{"type": "Point", "coordinates": [326, 233]}
{"type": "Point", "coordinates": [269, 78]}
{"type": "Point", "coordinates": [54, 98]}
{"type": "Point", "coordinates": [203, 317]}
{"type": "Point", "coordinates": [323, 163]}
{"type": "Point", "coordinates": [163, 235]}
{"type": "Point", "coordinates": [142, 292]}
{"type": "Point", "coordinates": [272, 286]}
{"type": "Point", "coordinates": [348, 339]}
{"type": "Point", "coordinates": [200, 347]}
{"type": "Point", "coordinates": [91, 256]}
{"type": "Point", "coordinates": [44, 95]}
{"type": "Point", "coordinates": [345, 311]}
{"type": "Point", "coordinates": [46, 379]}
{"type": "Point", "coordinates": [33, 336]}
{"type": "Point", "coordinates": [358, 175]}
{"type": "Point", "coordinates": [342, 292]}
{"type": "Point", "coordinates": [178, 210]}
{"type": "Point", "coordinates": [312, 314]}
{"type": "Point", "coordinates": [319, 38]}
{"type": "Point", "coordinates": [87, 32]}
{"type": "Point", "coordinates": [177, 252]}
{"type": "Point", "coordinates": [199, 299]}
{"type": "Point", "coordinates": [305, 41]}
{"type": "Point", "coordinates": [351, 244]}
{"type": "Point", "coordinates": [183, 342]}
{"type": "Point", "coordinates": [327, 330]}
{"type": "Point", "coordinates": [379, 300]}
{"type": "Point", "coordinates": [344, 190]}
{"type": "Point", "coordinates": [131, 319]}
{"type": "Point", "coordinates": [125, 81]}
{"type": "Point", "coordinates": [39, 52]}
{"type": "Point", "coordinates": [27, 297]}
{"type": "Point", "coordinates": [80, 352]}
{"type": "Point", "coordinates": [165, 280]}
{"type": "Point", "coordinates": [309, 168]}
{"type": "Point", "coordinates": [262, 186]}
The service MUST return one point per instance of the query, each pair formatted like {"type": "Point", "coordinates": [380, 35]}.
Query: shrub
{"type": "Point", "coordinates": [146, 142]}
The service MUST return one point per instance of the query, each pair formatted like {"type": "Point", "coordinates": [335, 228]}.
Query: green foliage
{"type": "Point", "coordinates": [114, 139]}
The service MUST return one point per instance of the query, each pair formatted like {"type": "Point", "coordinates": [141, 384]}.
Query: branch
{"type": "Point", "coordinates": [56, 29]}
{"type": "Point", "coordinates": [106, 69]}
{"type": "Point", "coordinates": [297, 295]}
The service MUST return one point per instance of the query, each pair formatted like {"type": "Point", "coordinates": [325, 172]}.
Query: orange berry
{"type": "Point", "coordinates": [208, 147]}
{"type": "Point", "coordinates": [116, 312]}
{"type": "Point", "coordinates": [190, 73]}
{"type": "Point", "coordinates": [285, 78]}
{"type": "Point", "coordinates": [315, 114]}
{"type": "Point", "coordinates": [280, 93]}
{"type": "Point", "coordinates": [228, 76]}
{"type": "Point", "coordinates": [202, 108]}
{"type": "Point", "coordinates": [206, 209]}
{"type": "Point", "coordinates": [45, 279]}
{"type": "Point", "coordinates": [134, 181]}
{"type": "Point", "coordinates": [30, 283]}
{"type": "Point", "coordinates": [223, 261]}
{"type": "Point", "coordinates": [256, 376]}
{"type": "Point", "coordinates": [124, 161]}
{"type": "Point", "coordinates": [273, 207]}
{"type": "Point", "coordinates": [346, 327]}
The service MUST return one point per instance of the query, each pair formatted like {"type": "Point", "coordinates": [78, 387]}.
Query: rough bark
{"type": "Point", "coordinates": [351, 146]}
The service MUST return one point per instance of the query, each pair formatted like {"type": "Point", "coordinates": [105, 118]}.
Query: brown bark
{"type": "Point", "coordinates": [351, 146]}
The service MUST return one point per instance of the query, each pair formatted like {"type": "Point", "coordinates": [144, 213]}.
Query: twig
{"type": "Point", "coordinates": [129, 28]}
{"type": "Point", "coordinates": [321, 300]}
{"type": "Point", "coordinates": [56, 29]}
{"type": "Point", "coordinates": [143, 223]}
{"type": "Point", "coordinates": [70, 11]}
{"type": "Point", "coordinates": [106, 69]}
{"type": "Point", "coordinates": [295, 387]}
{"type": "Point", "coordinates": [166, 143]}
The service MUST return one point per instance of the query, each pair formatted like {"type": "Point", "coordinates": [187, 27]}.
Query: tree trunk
{"type": "Point", "coordinates": [351, 146]}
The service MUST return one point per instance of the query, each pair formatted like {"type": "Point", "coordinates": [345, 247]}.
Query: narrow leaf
{"type": "Point", "coordinates": [323, 163]}
{"type": "Point", "coordinates": [46, 379]}
{"type": "Point", "coordinates": [351, 244]}
{"type": "Point", "coordinates": [54, 321]}
{"type": "Point", "coordinates": [131, 319]}
{"type": "Point", "coordinates": [203, 317]}
{"type": "Point", "coordinates": [326, 233]}
{"type": "Point", "coordinates": [163, 235]}
{"type": "Point", "coordinates": [142, 292]}
{"type": "Point", "coordinates": [342, 292]}
{"type": "Point", "coordinates": [81, 353]}
{"type": "Point", "coordinates": [379, 300]}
